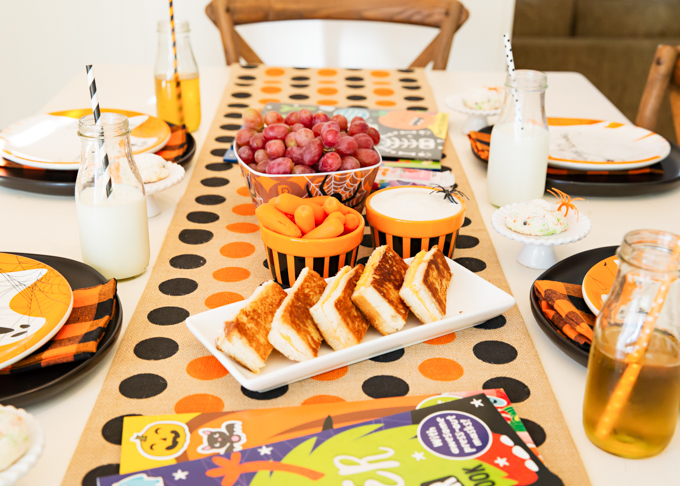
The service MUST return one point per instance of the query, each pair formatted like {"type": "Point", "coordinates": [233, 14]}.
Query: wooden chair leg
{"type": "Point", "coordinates": [657, 82]}
{"type": "Point", "coordinates": [425, 57]}
{"type": "Point", "coordinates": [447, 31]}
{"type": "Point", "coordinates": [225, 24]}
{"type": "Point", "coordinates": [246, 51]}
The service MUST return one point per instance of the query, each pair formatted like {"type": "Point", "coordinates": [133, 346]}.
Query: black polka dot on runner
{"type": "Point", "coordinates": [472, 264]}
{"type": "Point", "coordinates": [383, 386]}
{"type": "Point", "coordinates": [536, 432]}
{"type": "Point", "coordinates": [233, 115]}
{"type": "Point", "coordinates": [90, 479]}
{"type": "Point", "coordinates": [167, 316]}
{"type": "Point", "coordinates": [113, 429]}
{"type": "Point", "coordinates": [354, 78]}
{"type": "Point", "coordinates": [237, 105]}
{"type": "Point", "coordinates": [156, 348]}
{"type": "Point", "coordinates": [210, 199]}
{"type": "Point", "coordinates": [195, 236]}
{"type": "Point", "coordinates": [408, 80]}
{"type": "Point", "coordinates": [202, 217]}
{"type": "Point", "coordinates": [178, 286]}
{"type": "Point", "coordinates": [268, 395]}
{"type": "Point", "coordinates": [143, 385]}
{"type": "Point", "coordinates": [495, 352]}
{"type": "Point", "coordinates": [516, 390]}
{"type": "Point", "coordinates": [356, 97]}
{"type": "Point", "coordinates": [265, 263]}
{"type": "Point", "coordinates": [405, 70]}
{"type": "Point", "coordinates": [230, 126]}
{"type": "Point", "coordinates": [219, 166]}
{"type": "Point", "coordinates": [416, 108]}
{"type": "Point", "coordinates": [219, 152]}
{"type": "Point", "coordinates": [466, 241]}
{"type": "Point", "coordinates": [243, 84]}
{"type": "Point", "coordinates": [241, 94]}
{"type": "Point", "coordinates": [224, 139]}
{"type": "Point", "coordinates": [413, 88]}
{"type": "Point", "coordinates": [215, 182]}
{"type": "Point", "coordinates": [300, 78]}
{"type": "Point", "coordinates": [356, 86]}
{"type": "Point", "coordinates": [389, 357]}
{"type": "Point", "coordinates": [298, 96]}
{"type": "Point", "coordinates": [187, 262]}
{"type": "Point", "coordinates": [367, 241]}
{"type": "Point", "coordinates": [466, 222]}
{"type": "Point", "coordinates": [414, 98]}
{"type": "Point", "coordinates": [495, 323]}
{"type": "Point", "coordinates": [247, 78]}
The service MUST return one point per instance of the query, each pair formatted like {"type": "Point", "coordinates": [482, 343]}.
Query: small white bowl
{"type": "Point", "coordinates": [477, 119]}
{"type": "Point", "coordinates": [12, 474]}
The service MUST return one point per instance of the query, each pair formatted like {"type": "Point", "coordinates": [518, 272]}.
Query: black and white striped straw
{"type": "Point", "coordinates": [95, 111]}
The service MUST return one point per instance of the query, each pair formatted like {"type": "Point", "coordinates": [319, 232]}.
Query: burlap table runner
{"type": "Point", "coordinates": [213, 255]}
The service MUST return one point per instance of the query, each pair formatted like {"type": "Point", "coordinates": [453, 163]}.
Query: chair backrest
{"type": "Point", "coordinates": [664, 74]}
{"type": "Point", "coordinates": [447, 15]}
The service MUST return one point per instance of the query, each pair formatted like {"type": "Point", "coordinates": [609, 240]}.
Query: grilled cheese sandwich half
{"type": "Point", "coordinates": [377, 292]}
{"type": "Point", "coordinates": [245, 336]}
{"type": "Point", "coordinates": [293, 331]}
{"type": "Point", "coordinates": [341, 324]}
{"type": "Point", "coordinates": [426, 285]}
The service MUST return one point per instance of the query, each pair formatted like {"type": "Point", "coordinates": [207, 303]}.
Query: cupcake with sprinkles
{"type": "Point", "coordinates": [541, 218]}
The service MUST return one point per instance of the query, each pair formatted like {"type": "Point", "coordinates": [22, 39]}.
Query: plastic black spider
{"type": "Point", "coordinates": [450, 192]}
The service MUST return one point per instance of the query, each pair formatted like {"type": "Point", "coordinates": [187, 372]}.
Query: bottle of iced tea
{"type": "Point", "coordinates": [632, 396]}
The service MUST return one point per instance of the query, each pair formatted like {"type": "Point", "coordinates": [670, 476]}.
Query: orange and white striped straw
{"type": "Point", "coordinates": [627, 381]}
{"type": "Point", "coordinates": [178, 88]}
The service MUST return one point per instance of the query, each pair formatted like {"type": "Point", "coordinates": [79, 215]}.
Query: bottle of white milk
{"type": "Point", "coordinates": [518, 154]}
{"type": "Point", "coordinates": [110, 199]}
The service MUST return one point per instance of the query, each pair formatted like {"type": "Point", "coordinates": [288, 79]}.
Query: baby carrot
{"type": "Point", "coordinates": [328, 229]}
{"type": "Point", "coordinates": [304, 218]}
{"type": "Point", "coordinates": [273, 219]}
{"type": "Point", "coordinates": [338, 215]}
{"type": "Point", "coordinates": [319, 214]}
{"type": "Point", "coordinates": [317, 200]}
{"type": "Point", "coordinates": [351, 222]}
{"type": "Point", "coordinates": [287, 203]}
{"type": "Point", "coordinates": [332, 205]}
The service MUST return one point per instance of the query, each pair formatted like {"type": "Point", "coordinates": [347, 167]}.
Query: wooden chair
{"type": "Point", "coordinates": [665, 73]}
{"type": "Point", "coordinates": [447, 15]}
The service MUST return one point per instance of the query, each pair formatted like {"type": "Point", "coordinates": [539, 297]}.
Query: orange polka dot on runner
{"type": "Point", "coordinates": [274, 72]}
{"type": "Point", "coordinates": [264, 101]}
{"type": "Point", "coordinates": [237, 249]}
{"type": "Point", "coordinates": [272, 81]}
{"type": "Point", "coordinates": [243, 227]}
{"type": "Point", "coordinates": [206, 368]}
{"type": "Point", "coordinates": [327, 91]}
{"type": "Point", "coordinates": [243, 191]}
{"type": "Point", "coordinates": [441, 369]}
{"type": "Point", "coordinates": [199, 403]}
{"type": "Point", "coordinates": [383, 91]}
{"type": "Point", "coordinates": [222, 298]}
{"type": "Point", "coordinates": [271, 89]}
{"type": "Point", "coordinates": [244, 209]}
{"type": "Point", "coordinates": [327, 102]}
{"type": "Point", "coordinates": [327, 72]}
{"type": "Point", "coordinates": [380, 74]}
{"type": "Point", "coordinates": [317, 399]}
{"type": "Point", "coordinates": [231, 274]}
{"type": "Point", "coordinates": [326, 81]}
{"type": "Point", "coordinates": [382, 83]}
{"type": "Point", "coordinates": [331, 375]}
{"type": "Point", "coordinates": [445, 339]}
{"type": "Point", "coordinates": [385, 103]}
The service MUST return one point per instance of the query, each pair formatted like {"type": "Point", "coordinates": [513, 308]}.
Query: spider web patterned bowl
{"type": "Point", "coordinates": [350, 187]}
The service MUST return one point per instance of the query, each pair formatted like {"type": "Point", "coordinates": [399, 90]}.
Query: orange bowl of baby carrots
{"type": "Point", "coordinates": [319, 233]}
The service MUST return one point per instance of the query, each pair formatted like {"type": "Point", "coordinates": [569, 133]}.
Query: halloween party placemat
{"type": "Point", "coordinates": [213, 255]}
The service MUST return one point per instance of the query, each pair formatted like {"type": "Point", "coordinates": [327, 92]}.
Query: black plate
{"type": "Point", "coordinates": [593, 185]}
{"type": "Point", "coordinates": [26, 388]}
{"type": "Point", "coordinates": [60, 182]}
{"type": "Point", "coordinates": [570, 270]}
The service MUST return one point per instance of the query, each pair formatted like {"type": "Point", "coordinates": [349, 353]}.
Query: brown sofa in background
{"type": "Point", "coordinates": [611, 42]}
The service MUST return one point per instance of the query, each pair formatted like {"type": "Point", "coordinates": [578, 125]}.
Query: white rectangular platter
{"type": "Point", "coordinates": [471, 300]}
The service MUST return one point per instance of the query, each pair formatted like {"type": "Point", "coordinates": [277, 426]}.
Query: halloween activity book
{"type": "Point", "coordinates": [464, 442]}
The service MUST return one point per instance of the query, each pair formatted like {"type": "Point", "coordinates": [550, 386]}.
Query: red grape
{"type": "Point", "coordinates": [317, 129]}
{"type": "Point", "coordinates": [358, 127]}
{"type": "Point", "coordinates": [374, 134]}
{"type": "Point", "coordinates": [294, 154]}
{"type": "Point", "coordinates": [246, 154]}
{"type": "Point", "coordinates": [282, 165]}
{"type": "Point", "coordinates": [330, 162]}
{"type": "Point", "coordinates": [304, 136]}
{"type": "Point", "coordinates": [244, 135]}
{"type": "Point", "coordinates": [340, 120]}
{"type": "Point", "coordinates": [273, 117]}
{"type": "Point", "coordinates": [262, 166]}
{"type": "Point", "coordinates": [278, 131]}
{"type": "Point", "coordinates": [349, 163]}
{"type": "Point", "coordinates": [290, 140]}
{"type": "Point", "coordinates": [320, 117]}
{"type": "Point", "coordinates": [367, 157]}
{"type": "Point", "coordinates": [292, 118]}
{"type": "Point", "coordinates": [303, 169]}
{"type": "Point", "coordinates": [346, 146]}
{"type": "Point", "coordinates": [261, 156]}
{"type": "Point", "coordinates": [312, 152]}
{"type": "Point", "coordinates": [296, 127]}
{"type": "Point", "coordinates": [253, 119]}
{"type": "Point", "coordinates": [356, 119]}
{"type": "Point", "coordinates": [257, 142]}
{"type": "Point", "coordinates": [363, 140]}
{"type": "Point", "coordinates": [253, 166]}
{"type": "Point", "coordinates": [275, 148]}
{"type": "Point", "coordinates": [330, 137]}
{"type": "Point", "coordinates": [345, 134]}
{"type": "Point", "coordinates": [306, 118]}
{"type": "Point", "coordinates": [329, 125]}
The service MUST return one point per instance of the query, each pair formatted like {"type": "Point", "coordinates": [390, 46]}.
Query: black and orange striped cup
{"type": "Point", "coordinates": [287, 256]}
{"type": "Point", "coordinates": [407, 237]}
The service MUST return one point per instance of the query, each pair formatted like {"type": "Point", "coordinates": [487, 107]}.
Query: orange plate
{"type": "Point", "coordinates": [598, 283]}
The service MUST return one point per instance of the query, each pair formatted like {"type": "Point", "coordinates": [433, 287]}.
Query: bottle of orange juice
{"type": "Point", "coordinates": [167, 103]}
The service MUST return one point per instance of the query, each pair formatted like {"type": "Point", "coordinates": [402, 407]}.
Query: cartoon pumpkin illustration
{"type": "Point", "coordinates": [407, 120]}
{"type": "Point", "coordinates": [162, 440]}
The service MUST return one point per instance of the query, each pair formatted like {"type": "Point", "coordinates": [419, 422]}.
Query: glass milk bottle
{"type": "Point", "coordinates": [167, 104]}
{"type": "Point", "coordinates": [632, 394]}
{"type": "Point", "coordinates": [518, 155]}
{"type": "Point", "coordinates": [112, 220]}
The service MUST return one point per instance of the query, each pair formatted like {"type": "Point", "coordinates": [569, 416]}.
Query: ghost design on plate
{"type": "Point", "coordinates": [16, 326]}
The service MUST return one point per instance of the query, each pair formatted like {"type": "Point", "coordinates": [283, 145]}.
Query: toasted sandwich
{"type": "Point", "coordinates": [245, 335]}
{"type": "Point", "coordinates": [427, 284]}
{"type": "Point", "coordinates": [293, 331]}
{"type": "Point", "coordinates": [341, 324]}
{"type": "Point", "coordinates": [377, 292]}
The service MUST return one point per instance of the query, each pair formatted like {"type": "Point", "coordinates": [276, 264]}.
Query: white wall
{"type": "Point", "coordinates": [45, 43]}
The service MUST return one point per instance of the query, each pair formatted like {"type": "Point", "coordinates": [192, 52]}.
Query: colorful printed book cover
{"type": "Point", "coordinates": [460, 443]}
{"type": "Point", "coordinates": [153, 441]}
{"type": "Point", "coordinates": [404, 134]}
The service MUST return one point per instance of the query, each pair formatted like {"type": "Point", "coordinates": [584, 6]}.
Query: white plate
{"type": "Point", "coordinates": [603, 145]}
{"type": "Point", "coordinates": [471, 300]}
{"type": "Point", "coordinates": [12, 474]}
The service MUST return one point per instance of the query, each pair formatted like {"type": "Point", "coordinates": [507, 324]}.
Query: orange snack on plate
{"type": "Point", "coordinates": [337, 215]}
{"type": "Point", "coordinates": [275, 220]}
{"type": "Point", "coordinates": [332, 205]}
{"type": "Point", "coordinates": [304, 218]}
{"type": "Point", "coordinates": [351, 222]}
{"type": "Point", "coordinates": [330, 228]}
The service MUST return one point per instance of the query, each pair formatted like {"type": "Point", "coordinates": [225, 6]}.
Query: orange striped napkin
{"type": "Point", "coordinates": [563, 305]}
{"type": "Point", "coordinates": [176, 146]}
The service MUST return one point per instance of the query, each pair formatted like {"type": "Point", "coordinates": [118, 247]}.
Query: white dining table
{"type": "Point", "coordinates": [34, 223]}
